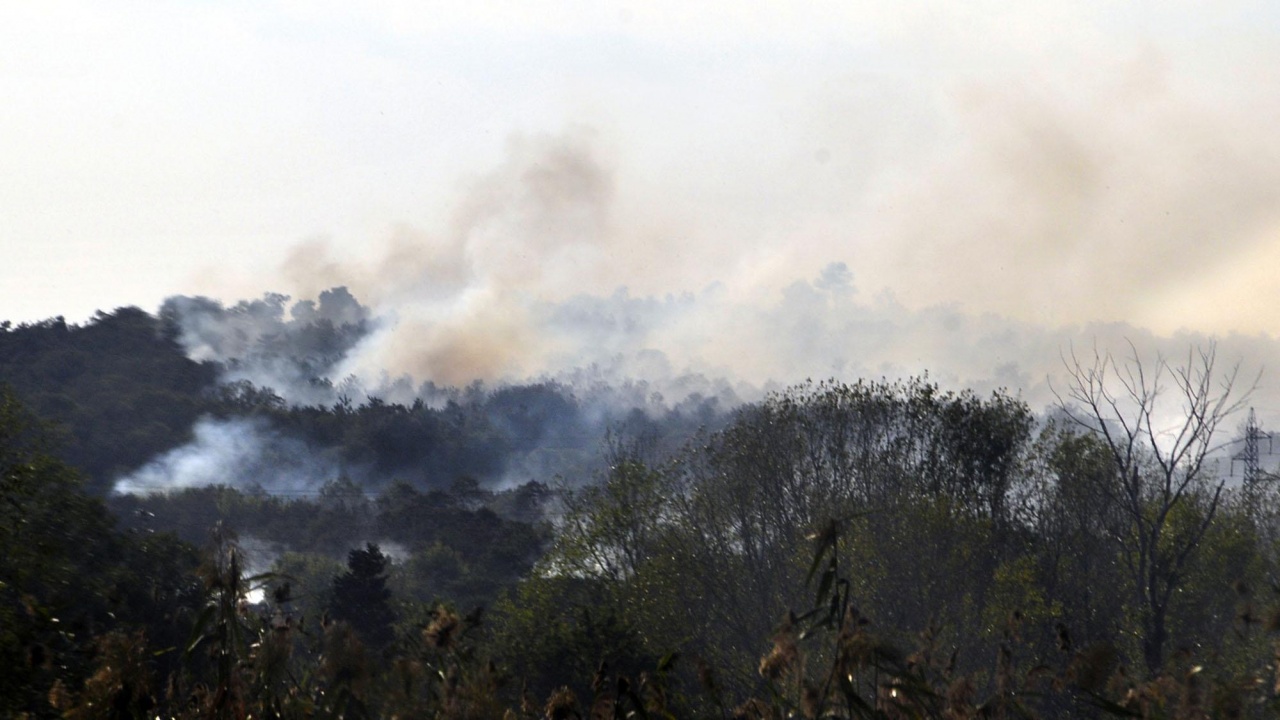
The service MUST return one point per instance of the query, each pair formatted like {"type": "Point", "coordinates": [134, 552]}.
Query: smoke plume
{"type": "Point", "coordinates": [243, 453]}
{"type": "Point", "coordinates": [253, 341]}
{"type": "Point", "coordinates": [1123, 212]}
{"type": "Point", "coordinates": [1119, 210]}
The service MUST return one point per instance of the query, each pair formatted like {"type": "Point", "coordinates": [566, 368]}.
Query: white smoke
{"type": "Point", "coordinates": [298, 356]}
{"type": "Point", "coordinates": [243, 453]}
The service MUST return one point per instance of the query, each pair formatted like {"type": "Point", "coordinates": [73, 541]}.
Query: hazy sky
{"type": "Point", "coordinates": [1049, 163]}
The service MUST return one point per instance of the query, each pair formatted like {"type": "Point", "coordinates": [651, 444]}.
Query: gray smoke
{"type": "Point", "coordinates": [548, 265]}
{"type": "Point", "coordinates": [622, 351]}
{"type": "Point", "coordinates": [1040, 234]}
{"type": "Point", "coordinates": [293, 348]}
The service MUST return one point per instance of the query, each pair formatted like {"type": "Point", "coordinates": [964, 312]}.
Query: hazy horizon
{"type": "Point", "coordinates": [756, 191]}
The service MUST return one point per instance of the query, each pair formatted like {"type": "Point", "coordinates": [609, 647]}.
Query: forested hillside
{"type": "Point", "coordinates": [119, 386]}
{"type": "Point", "coordinates": [124, 392]}
{"type": "Point", "coordinates": [864, 549]}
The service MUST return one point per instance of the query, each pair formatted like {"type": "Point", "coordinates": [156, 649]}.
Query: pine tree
{"type": "Point", "coordinates": [361, 597]}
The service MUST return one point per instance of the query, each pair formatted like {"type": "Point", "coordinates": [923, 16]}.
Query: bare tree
{"type": "Point", "coordinates": [1158, 421]}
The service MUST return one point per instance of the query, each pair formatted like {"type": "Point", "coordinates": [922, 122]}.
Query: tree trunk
{"type": "Point", "coordinates": [1154, 640]}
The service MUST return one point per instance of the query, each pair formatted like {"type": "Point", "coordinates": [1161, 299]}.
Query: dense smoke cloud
{"type": "Point", "coordinates": [620, 350]}
{"type": "Point", "coordinates": [1053, 220]}
{"type": "Point", "coordinates": [1120, 212]}
{"type": "Point", "coordinates": [691, 201]}
{"type": "Point", "coordinates": [459, 303]}
{"type": "Point", "coordinates": [253, 341]}
{"type": "Point", "coordinates": [508, 293]}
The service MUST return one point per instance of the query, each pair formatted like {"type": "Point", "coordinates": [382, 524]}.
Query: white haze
{"type": "Point", "coordinates": [1055, 163]}
{"type": "Point", "coordinates": [245, 453]}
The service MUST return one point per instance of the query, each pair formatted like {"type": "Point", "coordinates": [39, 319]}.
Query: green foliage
{"type": "Point", "coordinates": [66, 576]}
{"type": "Point", "coordinates": [124, 391]}
{"type": "Point", "coordinates": [120, 386]}
{"type": "Point", "coordinates": [557, 630]}
{"type": "Point", "coordinates": [885, 550]}
{"type": "Point", "coordinates": [704, 554]}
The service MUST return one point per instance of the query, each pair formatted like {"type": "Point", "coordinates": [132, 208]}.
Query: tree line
{"type": "Point", "coordinates": [867, 549]}
{"type": "Point", "coordinates": [123, 392]}
{"type": "Point", "coordinates": [1101, 543]}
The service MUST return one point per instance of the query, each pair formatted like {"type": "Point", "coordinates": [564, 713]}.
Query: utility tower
{"type": "Point", "coordinates": [1253, 434]}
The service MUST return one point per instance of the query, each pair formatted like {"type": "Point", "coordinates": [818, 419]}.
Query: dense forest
{"type": "Point", "coordinates": [837, 549]}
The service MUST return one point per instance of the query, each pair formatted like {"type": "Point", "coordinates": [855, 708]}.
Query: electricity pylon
{"type": "Point", "coordinates": [1249, 456]}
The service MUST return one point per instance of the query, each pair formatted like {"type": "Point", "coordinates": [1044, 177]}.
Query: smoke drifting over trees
{"type": "Point", "coordinates": [560, 264]}
{"type": "Point", "coordinates": [254, 341]}
{"type": "Point", "coordinates": [637, 350]}
{"type": "Point", "coordinates": [557, 264]}
{"type": "Point", "coordinates": [239, 452]}
{"type": "Point", "coordinates": [595, 363]}
{"type": "Point", "coordinates": [614, 321]}
{"type": "Point", "coordinates": [546, 272]}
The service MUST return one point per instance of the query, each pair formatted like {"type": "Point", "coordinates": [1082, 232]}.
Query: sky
{"type": "Point", "coordinates": [767, 190]}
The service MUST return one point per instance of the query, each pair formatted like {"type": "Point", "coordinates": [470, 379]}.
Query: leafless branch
{"type": "Point", "coordinates": [1125, 405]}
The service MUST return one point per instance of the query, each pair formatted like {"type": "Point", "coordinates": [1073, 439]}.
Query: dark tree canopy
{"type": "Point", "coordinates": [66, 574]}
{"type": "Point", "coordinates": [361, 597]}
{"type": "Point", "coordinates": [965, 528]}
{"type": "Point", "coordinates": [120, 386]}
